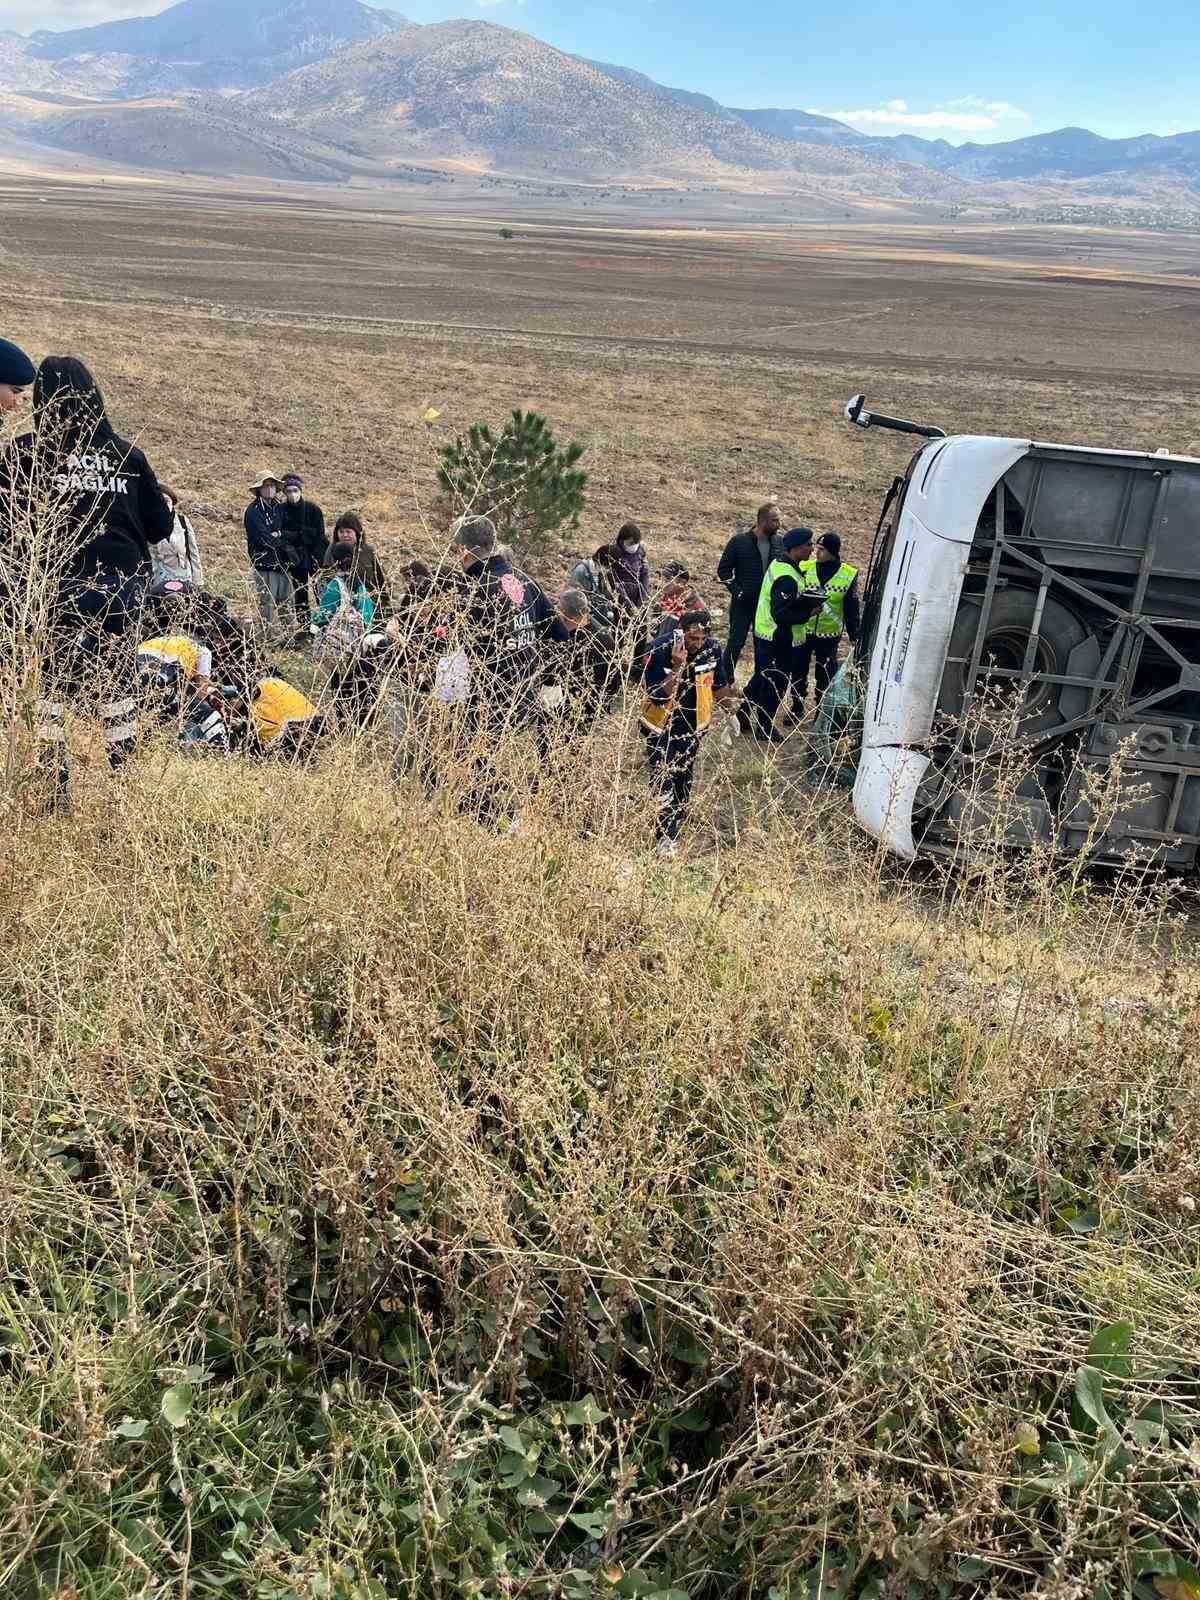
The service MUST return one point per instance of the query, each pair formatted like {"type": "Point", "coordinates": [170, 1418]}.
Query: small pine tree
{"type": "Point", "coordinates": [524, 480]}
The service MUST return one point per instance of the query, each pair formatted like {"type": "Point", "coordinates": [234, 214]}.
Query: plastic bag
{"type": "Point", "coordinates": [834, 746]}
{"type": "Point", "coordinates": [343, 633]}
{"type": "Point", "coordinates": [452, 679]}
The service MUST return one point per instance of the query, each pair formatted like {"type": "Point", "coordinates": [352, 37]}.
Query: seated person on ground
{"type": "Point", "coordinates": [346, 610]}
{"type": "Point", "coordinates": [278, 720]}
{"type": "Point", "coordinates": [175, 663]}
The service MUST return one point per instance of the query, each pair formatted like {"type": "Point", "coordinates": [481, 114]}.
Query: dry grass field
{"type": "Point", "coordinates": [394, 1208]}
{"type": "Point", "coordinates": [702, 370]}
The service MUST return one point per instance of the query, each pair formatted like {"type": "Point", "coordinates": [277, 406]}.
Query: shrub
{"type": "Point", "coordinates": [524, 480]}
{"type": "Point", "coordinates": [390, 1208]}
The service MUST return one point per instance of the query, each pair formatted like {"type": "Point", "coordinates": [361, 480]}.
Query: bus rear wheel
{"type": "Point", "coordinates": [1003, 704]}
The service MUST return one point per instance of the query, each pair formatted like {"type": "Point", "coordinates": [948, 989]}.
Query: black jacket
{"type": "Point", "coordinates": [709, 658]}
{"type": "Point", "coordinates": [504, 617]}
{"type": "Point", "coordinates": [304, 525]}
{"type": "Point", "coordinates": [267, 545]}
{"type": "Point", "coordinates": [790, 605]}
{"type": "Point", "coordinates": [107, 496]}
{"type": "Point", "coordinates": [583, 663]}
{"type": "Point", "coordinates": [740, 568]}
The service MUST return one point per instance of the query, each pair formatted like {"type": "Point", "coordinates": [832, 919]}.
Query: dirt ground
{"type": "Point", "coordinates": [704, 370]}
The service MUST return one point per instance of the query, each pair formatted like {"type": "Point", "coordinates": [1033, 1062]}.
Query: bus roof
{"type": "Point", "coordinates": [1004, 445]}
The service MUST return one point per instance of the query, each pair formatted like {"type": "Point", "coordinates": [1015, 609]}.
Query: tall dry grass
{"type": "Point", "coordinates": [392, 1206]}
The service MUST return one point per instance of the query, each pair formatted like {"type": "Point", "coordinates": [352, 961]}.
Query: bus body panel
{"type": "Point", "coordinates": [1083, 571]}
{"type": "Point", "coordinates": [885, 787]}
{"type": "Point", "coordinates": [948, 483]}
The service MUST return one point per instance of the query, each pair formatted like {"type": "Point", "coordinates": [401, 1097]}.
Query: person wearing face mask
{"type": "Point", "coordinates": [271, 554]}
{"type": "Point", "coordinates": [630, 571]}
{"type": "Point", "coordinates": [303, 523]}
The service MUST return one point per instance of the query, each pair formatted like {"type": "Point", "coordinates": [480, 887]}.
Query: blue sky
{"type": "Point", "coordinates": [984, 70]}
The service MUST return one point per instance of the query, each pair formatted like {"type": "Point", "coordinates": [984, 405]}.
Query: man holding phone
{"type": "Point", "coordinates": [685, 678]}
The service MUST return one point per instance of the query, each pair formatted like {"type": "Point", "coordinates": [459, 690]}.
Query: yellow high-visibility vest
{"type": "Point", "coordinates": [830, 621]}
{"type": "Point", "coordinates": [178, 647]}
{"type": "Point", "coordinates": [764, 622]}
{"type": "Point", "coordinates": [276, 706]}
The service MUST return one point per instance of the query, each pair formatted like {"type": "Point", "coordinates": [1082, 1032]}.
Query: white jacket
{"type": "Point", "coordinates": [179, 556]}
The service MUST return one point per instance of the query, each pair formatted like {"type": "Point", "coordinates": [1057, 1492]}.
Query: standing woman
{"type": "Point", "coordinates": [179, 555]}
{"type": "Point", "coordinates": [631, 571]}
{"type": "Point", "coordinates": [89, 506]}
{"type": "Point", "coordinates": [348, 529]}
{"type": "Point", "coordinates": [631, 583]}
{"type": "Point", "coordinates": [272, 555]}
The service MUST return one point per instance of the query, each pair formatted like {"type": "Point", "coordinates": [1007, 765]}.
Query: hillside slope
{"type": "Point", "coordinates": [162, 134]}
{"type": "Point", "coordinates": [216, 43]}
{"type": "Point", "coordinates": [496, 98]}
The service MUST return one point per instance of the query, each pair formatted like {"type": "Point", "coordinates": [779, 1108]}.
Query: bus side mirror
{"type": "Point", "coordinates": [855, 412]}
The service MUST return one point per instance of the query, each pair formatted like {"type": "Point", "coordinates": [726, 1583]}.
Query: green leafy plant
{"type": "Point", "coordinates": [523, 479]}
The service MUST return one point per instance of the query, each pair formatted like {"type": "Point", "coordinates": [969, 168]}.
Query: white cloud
{"type": "Point", "coordinates": [968, 114]}
{"type": "Point", "coordinates": [23, 16]}
{"type": "Point", "coordinates": [1002, 109]}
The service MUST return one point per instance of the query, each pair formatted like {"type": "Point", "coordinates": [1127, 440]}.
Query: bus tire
{"type": "Point", "coordinates": [1005, 640]}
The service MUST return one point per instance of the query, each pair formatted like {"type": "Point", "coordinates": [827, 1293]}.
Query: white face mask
{"type": "Point", "coordinates": [631, 548]}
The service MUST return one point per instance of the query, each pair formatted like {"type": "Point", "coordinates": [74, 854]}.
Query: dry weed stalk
{"type": "Point", "coordinates": [395, 1207]}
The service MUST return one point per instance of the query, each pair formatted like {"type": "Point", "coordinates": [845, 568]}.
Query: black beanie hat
{"type": "Point", "coordinates": [797, 538]}
{"type": "Point", "coordinates": [831, 542]}
{"type": "Point", "coordinates": [16, 369]}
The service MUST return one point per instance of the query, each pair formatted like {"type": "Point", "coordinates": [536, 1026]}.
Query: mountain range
{"type": "Point", "coordinates": [333, 89]}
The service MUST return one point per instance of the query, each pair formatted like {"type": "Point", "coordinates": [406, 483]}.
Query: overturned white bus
{"type": "Point", "coordinates": [1061, 584]}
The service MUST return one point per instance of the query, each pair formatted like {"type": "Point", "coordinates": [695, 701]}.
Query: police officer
{"type": "Point", "coordinates": [839, 612]}
{"type": "Point", "coordinates": [787, 599]}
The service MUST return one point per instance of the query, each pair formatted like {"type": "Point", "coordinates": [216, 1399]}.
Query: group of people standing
{"type": "Point", "coordinates": [289, 551]}
{"type": "Point", "coordinates": [796, 596]}
{"type": "Point", "coordinates": [477, 637]}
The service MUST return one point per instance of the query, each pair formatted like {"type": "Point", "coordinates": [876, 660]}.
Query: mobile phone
{"type": "Point", "coordinates": [677, 638]}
